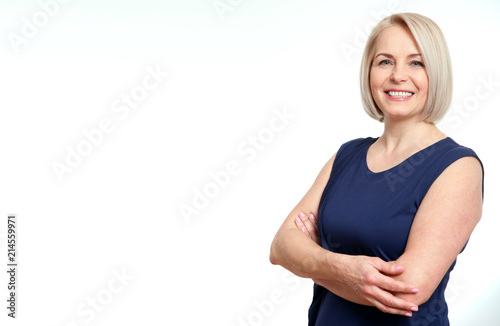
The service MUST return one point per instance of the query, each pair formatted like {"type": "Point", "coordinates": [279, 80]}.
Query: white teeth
{"type": "Point", "coordinates": [400, 94]}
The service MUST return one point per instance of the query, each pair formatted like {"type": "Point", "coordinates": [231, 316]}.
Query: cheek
{"type": "Point", "coordinates": [375, 89]}
{"type": "Point", "coordinates": [424, 83]}
{"type": "Point", "coordinates": [373, 84]}
{"type": "Point", "coordinates": [376, 80]}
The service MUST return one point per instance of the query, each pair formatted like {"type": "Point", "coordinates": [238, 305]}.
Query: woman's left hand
{"type": "Point", "coordinates": [308, 225]}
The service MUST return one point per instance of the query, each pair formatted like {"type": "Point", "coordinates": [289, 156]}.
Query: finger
{"type": "Point", "coordinates": [390, 310]}
{"type": "Point", "coordinates": [388, 268]}
{"type": "Point", "coordinates": [388, 283]}
{"type": "Point", "coordinates": [391, 285]}
{"type": "Point", "coordinates": [303, 223]}
{"type": "Point", "coordinates": [312, 227]}
{"type": "Point", "coordinates": [389, 303]}
{"type": "Point", "coordinates": [300, 224]}
{"type": "Point", "coordinates": [314, 221]}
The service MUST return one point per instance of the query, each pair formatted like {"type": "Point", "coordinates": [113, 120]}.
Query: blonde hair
{"type": "Point", "coordinates": [436, 60]}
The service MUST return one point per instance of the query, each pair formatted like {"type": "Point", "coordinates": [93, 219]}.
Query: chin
{"type": "Point", "coordinates": [401, 115]}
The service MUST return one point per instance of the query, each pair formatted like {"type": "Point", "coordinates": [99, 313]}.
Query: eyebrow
{"type": "Point", "coordinates": [391, 56]}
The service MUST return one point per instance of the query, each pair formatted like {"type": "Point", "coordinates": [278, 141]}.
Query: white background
{"type": "Point", "coordinates": [118, 210]}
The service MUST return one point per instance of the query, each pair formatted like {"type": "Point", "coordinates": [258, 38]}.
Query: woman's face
{"type": "Point", "coordinates": [398, 79]}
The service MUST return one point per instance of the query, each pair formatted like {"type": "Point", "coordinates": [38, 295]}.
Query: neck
{"type": "Point", "coordinates": [404, 134]}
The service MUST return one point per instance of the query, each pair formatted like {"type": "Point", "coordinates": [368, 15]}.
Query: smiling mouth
{"type": "Point", "coordinates": [399, 94]}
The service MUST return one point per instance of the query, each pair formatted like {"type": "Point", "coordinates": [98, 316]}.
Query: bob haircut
{"type": "Point", "coordinates": [435, 57]}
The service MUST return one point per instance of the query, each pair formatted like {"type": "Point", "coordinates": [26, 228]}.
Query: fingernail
{"type": "Point", "coordinates": [303, 230]}
{"type": "Point", "coordinates": [408, 314]}
{"type": "Point", "coordinates": [298, 219]}
{"type": "Point", "coordinates": [312, 217]}
{"type": "Point", "coordinates": [398, 268]}
{"type": "Point", "coordinates": [414, 308]}
{"type": "Point", "coordinates": [301, 214]}
{"type": "Point", "coordinates": [414, 290]}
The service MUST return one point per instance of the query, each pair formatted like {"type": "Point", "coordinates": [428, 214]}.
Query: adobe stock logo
{"type": "Point", "coordinates": [473, 102]}
{"type": "Point", "coordinates": [100, 300]}
{"type": "Point", "coordinates": [122, 106]}
{"type": "Point", "coordinates": [97, 303]}
{"type": "Point", "coordinates": [264, 309]}
{"type": "Point", "coordinates": [361, 36]}
{"type": "Point", "coordinates": [248, 148]}
{"type": "Point", "coordinates": [31, 27]}
{"type": "Point", "coordinates": [224, 6]}
{"type": "Point", "coordinates": [406, 168]}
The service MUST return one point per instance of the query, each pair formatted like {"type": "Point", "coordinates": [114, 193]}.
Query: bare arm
{"type": "Point", "coordinates": [444, 221]}
{"type": "Point", "coordinates": [294, 250]}
{"type": "Point", "coordinates": [359, 279]}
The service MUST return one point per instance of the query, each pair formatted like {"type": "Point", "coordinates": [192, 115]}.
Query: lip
{"type": "Point", "coordinates": [398, 90]}
{"type": "Point", "coordinates": [399, 99]}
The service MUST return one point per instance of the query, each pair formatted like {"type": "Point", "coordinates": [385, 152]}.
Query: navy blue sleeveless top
{"type": "Point", "coordinates": [367, 213]}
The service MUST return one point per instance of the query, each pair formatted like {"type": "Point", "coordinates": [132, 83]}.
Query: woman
{"type": "Point", "coordinates": [393, 212]}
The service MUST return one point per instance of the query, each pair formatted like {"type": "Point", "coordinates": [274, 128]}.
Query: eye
{"type": "Point", "coordinates": [384, 62]}
{"type": "Point", "coordinates": [416, 64]}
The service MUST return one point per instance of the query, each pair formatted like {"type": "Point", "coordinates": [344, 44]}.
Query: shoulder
{"type": "Point", "coordinates": [460, 167]}
{"type": "Point", "coordinates": [345, 150]}
{"type": "Point", "coordinates": [357, 143]}
{"type": "Point", "coordinates": [446, 153]}
{"type": "Point", "coordinates": [457, 194]}
{"type": "Point", "coordinates": [461, 159]}
{"type": "Point", "coordinates": [354, 146]}
{"type": "Point", "coordinates": [463, 171]}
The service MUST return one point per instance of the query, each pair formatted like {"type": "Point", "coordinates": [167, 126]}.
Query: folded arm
{"type": "Point", "coordinates": [294, 250]}
{"type": "Point", "coordinates": [359, 279]}
{"type": "Point", "coordinates": [444, 222]}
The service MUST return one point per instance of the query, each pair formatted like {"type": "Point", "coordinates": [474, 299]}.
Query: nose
{"type": "Point", "coordinates": [399, 73]}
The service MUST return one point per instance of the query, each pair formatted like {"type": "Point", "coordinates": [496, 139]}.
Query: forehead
{"type": "Point", "coordinates": [396, 39]}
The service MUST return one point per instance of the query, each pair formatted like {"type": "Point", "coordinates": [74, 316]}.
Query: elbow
{"type": "Point", "coordinates": [426, 288]}
{"type": "Point", "coordinates": [419, 298]}
{"type": "Point", "coordinates": [422, 296]}
{"type": "Point", "coordinates": [274, 255]}
{"type": "Point", "coordinates": [273, 259]}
